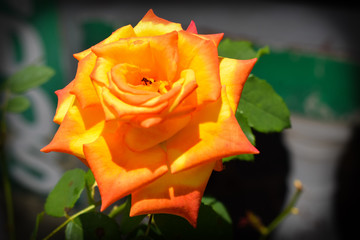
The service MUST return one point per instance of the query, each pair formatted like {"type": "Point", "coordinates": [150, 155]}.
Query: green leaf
{"type": "Point", "coordinates": [90, 186]}
{"type": "Point", "coordinates": [92, 225]}
{"type": "Point", "coordinates": [242, 120]}
{"type": "Point", "coordinates": [218, 207]}
{"type": "Point", "coordinates": [65, 193]}
{"type": "Point", "coordinates": [264, 109]}
{"type": "Point", "coordinates": [29, 77]}
{"type": "Point", "coordinates": [214, 222]}
{"type": "Point", "coordinates": [127, 223]}
{"type": "Point", "coordinates": [17, 104]}
{"type": "Point", "coordinates": [240, 49]}
{"type": "Point", "coordinates": [243, 157]}
{"type": "Point", "coordinates": [262, 51]}
{"type": "Point", "coordinates": [89, 178]}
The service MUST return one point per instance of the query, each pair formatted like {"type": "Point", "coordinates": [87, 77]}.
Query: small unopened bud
{"type": "Point", "coordinates": [298, 185]}
{"type": "Point", "coordinates": [295, 211]}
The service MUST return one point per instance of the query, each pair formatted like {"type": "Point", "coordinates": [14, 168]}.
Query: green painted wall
{"type": "Point", "coordinates": [311, 84]}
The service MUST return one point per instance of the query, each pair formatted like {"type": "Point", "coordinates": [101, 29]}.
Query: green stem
{"type": "Point", "coordinates": [5, 177]}
{"type": "Point", "coordinates": [85, 210]}
{"type": "Point", "coordinates": [149, 225]}
{"type": "Point", "coordinates": [90, 191]}
{"type": "Point", "coordinates": [117, 210]}
{"type": "Point", "coordinates": [287, 210]}
{"type": "Point", "coordinates": [8, 196]}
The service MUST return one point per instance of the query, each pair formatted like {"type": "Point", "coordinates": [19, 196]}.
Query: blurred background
{"type": "Point", "coordinates": [313, 65]}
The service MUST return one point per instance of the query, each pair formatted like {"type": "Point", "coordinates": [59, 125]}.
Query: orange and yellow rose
{"type": "Point", "coordinates": [151, 112]}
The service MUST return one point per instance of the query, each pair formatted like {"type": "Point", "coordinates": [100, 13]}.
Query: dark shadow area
{"type": "Point", "coordinates": [347, 197]}
{"type": "Point", "coordinates": [258, 186]}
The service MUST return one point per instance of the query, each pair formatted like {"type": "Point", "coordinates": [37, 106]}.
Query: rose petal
{"type": "Point", "coordinates": [119, 171]}
{"type": "Point", "coordinates": [163, 97]}
{"type": "Point", "coordinates": [83, 88]}
{"type": "Point", "coordinates": [219, 165]}
{"type": "Point", "coordinates": [127, 51]}
{"type": "Point", "coordinates": [100, 72]}
{"type": "Point", "coordinates": [156, 54]}
{"type": "Point", "coordinates": [189, 86]}
{"type": "Point", "coordinates": [192, 27]}
{"type": "Point", "coordinates": [139, 139]}
{"type": "Point", "coordinates": [233, 74]}
{"type": "Point", "coordinates": [134, 95]}
{"type": "Point", "coordinates": [200, 55]}
{"type": "Point", "coordinates": [100, 78]}
{"type": "Point", "coordinates": [80, 126]}
{"type": "Point", "coordinates": [216, 38]}
{"type": "Point", "coordinates": [109, 112]}
{"type": "Point", "coordinates": [150, 120]}
{"type": "Point", "coordinates": [179, 194]}
{"type": "Point", "coordinates": [126, 77]}
{"type": "Point", "coordinates": [122, 109]}
{"type": "Point", "coordinates": [79, 56]}
{"type": "Point", "coordinates": [213, 133]}
{"type": "Point", "coordinates": [160, 127]}
{"type": "Point", "coordinates": [152, 25]}
{"type": "Point", "coordinates": [123, 32]}
{"type": "Point", "coordinates": [132, 99]}
{"type": "Point", "coordinates": [65, 101]}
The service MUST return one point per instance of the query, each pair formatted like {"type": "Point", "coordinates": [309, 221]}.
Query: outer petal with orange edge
{"type": "Point", "coordinates": [152, 25]}
{"type": "Point", "coordinates": [192, 28]}
{"type": "Point", "coordinates": [233, 74]}
{"type": "Point", "coordinates": [216, 38]}
{"type": "Point", "coordinates": [83, 88]}
{"type": "Point", "coordinates": [179, 194]}
{"type": "Point", "coordinates": [213, 133]}
{"type": "Point", "coordinates": [119, 171]}
{"type": "Point", "coordinates": [79, 126]}
{"type": "Point", "coordinates": [65, 101]}
{"type": "Point", "coordinates": [123, 32]}
{"type": "Point", "coordinates": [200, 55]}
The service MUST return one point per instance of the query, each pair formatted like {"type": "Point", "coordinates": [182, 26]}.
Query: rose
{"type": "Point", "coordinates": [151, 112]}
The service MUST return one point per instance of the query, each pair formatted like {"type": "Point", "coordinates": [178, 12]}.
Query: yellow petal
{"type": "Point", "coordinates": [189, 86]}
{"type": "Point", "coordinates": [83, 88]}
{"type": "Point", "coordinates": [216, 38]}
{"type": "Point", "coordinates": [139, 139]}
{"type": "Point", "coordinates": [82, 54]}
{"type": "Point", "coordinates": [101, 70]}
{"type": "Point", "coordinates": [201, 56]}
{"type": "Point", "coordinates": [179, 194]}
{"type": "Point", "coordinates": [212, 134]}
{"type": "Point", "coordinates": [123, 32]}
{"type": "Point", "coordinates": [156, 54]}
{"type": "Point", "coordinates": [233, 74]}
{"type": "Point", "coordinates": [80, 126]}
{"type": "Point", "coordinates": [152, 25]}
{"type": "Point", "coordinates": [109, 113]}
{"type": "Point", "coordinates": [65, 101]}
{"type": "Point", "coordinates": [127, 77]}
{"type": "Point", "coordinates": [123, 109]}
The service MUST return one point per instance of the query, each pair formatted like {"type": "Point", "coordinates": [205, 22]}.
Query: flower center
{"type": "Point", "coordinates": [154, 85]}
{"type": "Point", "coordinates": [146, 81]}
